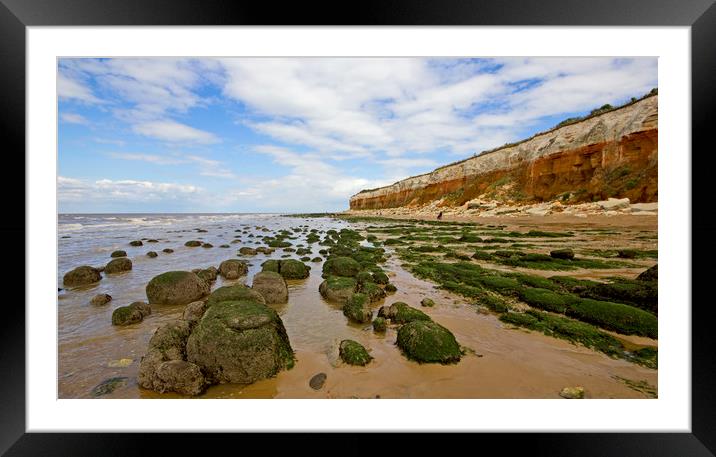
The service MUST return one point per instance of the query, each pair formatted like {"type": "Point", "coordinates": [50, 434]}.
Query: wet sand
{"type": "Point", "coordinates": [502, 362]}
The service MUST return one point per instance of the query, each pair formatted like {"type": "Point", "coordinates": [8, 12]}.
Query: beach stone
{"type": "Point", "coordinates": [152, 241]}
{"type": "Point", "coordinates": [652, 274]}
{"type": "Point", "coordinates": [81, 276]}
{"type": "Point", "coordinates": [428, 342]}
{"type": "Point", "coordinates": [119, 253]}
{"type": "Point", "coordinates": [317, 381]}
{"type": "Point", "coordinates": [271, 286]}
{"type": "Point", "coordinates": [337, 288]}
{"type": "Point", "coordinates": [100, 299]}
{"type": "Point", "coordinates": [168, 250]}
{"type": "Point", "coordinates": [380, 277]}
{"type": "Point", "coordinates": [180, 376]}
{"type": "Point", "coordinates": [353, 353]}
{"type": "Point", "coordinates": [131, 314]}
{"type": "Point", "coordinates": [232, 269]}
{"type": "Point", "coordinates": [341, 266]}
{"type": "Point", "coordinates": [572, 392]}
{"type": "Point", "coordinates": [427, 302]}
{"type": "Point", "coordinates": [176, 288]}
{"type": "Point", "coordinates": [614, 203]}
{"type": "Point", "coordinates": [400, 313]}
{"type": "Point", "coordinates": [380, 325]}
{"type": "Point", "coordinates": [152, 254]}
{"type": "Point", "coordinates": [236, 292]}
{"type": "Point", "coordinates": [240, 342]}
{"type": "Point", "coordinates": [293, 269]}
{"type": "Point", "coordinates": [372, 291]}
{"type": "Point", "coordinates": [207, 274]}
{"type": "Point", "coordinates": [566, 254]}
{"type": "Point", "coordinates": [247, 251]}
{"type": "Point", "coordinates": [390, 288]}
{"type": "Point", "coordinates": [194, 311]}
{"type": "Point", "coordinates": [192, 243]}
{"type": "Point", "coordinates": [136, 243]}
{"type": "Point", "coordinates": [109, 385]}
{"type": "Point", "coordinates": [118, 265]}
{"type": "Point", "coordinates": [207, 245]}
{"type": "Point", "coordinates": [355, 308]}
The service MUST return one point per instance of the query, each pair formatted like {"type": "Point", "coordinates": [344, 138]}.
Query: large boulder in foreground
{"type": "Point", "coordinates": [118, 265]}
{"type": "Point", "coordinates": [337, 288]}
{"type": "Point", "coordinates": [176, 288]}
{"type": "Point", "coordinates": [271, 286]}
{"type": "Point", "coordinates": [233, 269]}
{"type": "Point", "coordinates": [428, 342]}
{"type": "Point", "coordinates": [164, 368]}
{"type": "Point", "coordinates": [236, 292]}
{"type": "Point", "coordinates": [341, 266]}
{"type": "Point", "coordinates": [239, 342]}
{"type": "Point", "coordinates": [652, 274]}
{"type": "Point", "coordinates": [81, 276]}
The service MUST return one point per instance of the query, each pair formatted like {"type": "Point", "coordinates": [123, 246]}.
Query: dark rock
{"type": "Point", "coordinates": [119, 253]}
{"type": "Point", "coordinates": [118, 265]}
{"type": "Point", "coordinates": [317, 381]}
{"type": "Point", "coordinates": [101, 299]}
{"type": "Point", "coordinates": [81, 276]}
{"type": "Point", "coordinates": [176, 288]}
{"type": "Point", "coordinates": [233, 269]}
{"type": "Point", "coordinates": [271, 286]}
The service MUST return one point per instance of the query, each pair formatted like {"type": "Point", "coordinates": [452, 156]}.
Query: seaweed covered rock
{"type": "Point", "coordinates": [100, 299]}
{"type": "Point", "coordinates": [194, 311]}
{"type": "Point", "coordinates": [207, 274]}
{"type": "Point", "coordinates": [136, 243]}
{"type": "Point", "coordinates": [236, 292]}
{"type": "Point", "coordinates": [372, 290]}
{"type": "Point", "coordinates": [131, 314]}
{"type": "Point", "coordinates": [566, 254]}
{"type": "Point", "coordinates": [356, 309]}
{"type": "Point", "coordinates": [271, 265]}
{"type": "Point", "coordinates": [428, 342]}
{"type": "Point", "coordinates": [233, 269]}
{"type": "Point", "coordinates": [164, 367]}
{"type": "Point", "coordinates": [341, 266]}
{"type": "Point", "coordinates": [379, 325]}
{"type": "Point", "coordinates": [81, 276]}
{"type": "Point", "coordinates": [118, 265]}
{"type": "Point", "coordinates": [168, 250]}
{"type": "Point", "coordinates": [652, 274]}
{"type": "Point", "coordinates": [271, 286]}
{"type": "Point", "coordinates": [118, 253]}
{"type": "Point", "coordinates": [239, 342]}
{"type": "Point", "coordinates": [400, 313]}
{"type": "Point", "coordinates": [390, 288]}
{"type": "Point", "coordinates": [379, 277]}
{"type": "Point", "coordinates": [247, 251]}
{"type": "Point", "coordinates": [192, 243]}
{"type": "Point", "coordinates": [293, 269]}
{"type": "Point", "coordinates": [353, 353]}
{"type": "Point", "coordinates": [427, 302]}
{"type": "Point", "coordinates": [176, 288]}
{"type": "Point", "coordinates": [337, 288]}
{"type": "Point", "coordinates": [152, 254]}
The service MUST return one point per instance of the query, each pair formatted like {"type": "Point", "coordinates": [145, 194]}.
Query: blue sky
{"type": "Point", "coordinates": [302, 134]}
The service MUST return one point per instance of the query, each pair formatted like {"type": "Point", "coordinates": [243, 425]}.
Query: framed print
{"type": "Point", "coordinates": [410, 219]}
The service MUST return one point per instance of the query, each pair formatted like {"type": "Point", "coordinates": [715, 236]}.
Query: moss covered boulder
{"type": "Point", "coordinates": [100, 299]}
{"type": "Point", "coordinates": [356, 308]}
{"type": "Point", "coordinates": [427, 302]}
{"type": "Point", "coordinates": [401, 313]}
{"type": "Point", "coordinates": [194, 311]}
{"type": "Point", "coordinates": [293, 269]}
{"type": "Point", "coordinates": [566, 254]}
{"type": "Point", "coordinates": [168, 250]}
{"type": "Point", "coordinates": [119, 253]}
{"type": "Point", "coordinates": [652, 274]}
{"type": "Point", "coordinates": [353, 353]}
{"type": "Point", "coordinates": [176, 288]}
{"type": "Point", "coordinates": [271, 286]}
{"type": "Point", "coordinates": [81, 276]}
{"type": "Point", "coordinates": [341, 266]}
{"type": "Point", "coordinates": [193, 243]}
{"type": "Point", "coordinates": [380, 325]}
{"type": "Point", "coordinates": [207, 274]}
{"type": "Point", "coordinates": [379, 277]}
{"type": "Point", "coordinates": [164, 367]}
{"type": "Point", "coordinates": [428, 342]}
{"type": "Point", "coordinates": [372, 291]}
{"type": "Point", "coordinates": [247, 251]}
{"type": "Point", "coordinates": [236, 292]}
{"type": "Point", "coordinates": [136, 243]}
{"type": "Point", "coordinates": [271, 265]}
{"type": "Point", "coordinates": [239, 342]}
{"type": "Point", "coordinates": [233, 269]}
{"type": "Point", "coordinates": [390, 288]}
{"type": "Point", "coordinates": [337, 288]}
{"type": "Point", "coordinates": [118, 265]}
{"type": "Point", "coordinates": [131, 314]}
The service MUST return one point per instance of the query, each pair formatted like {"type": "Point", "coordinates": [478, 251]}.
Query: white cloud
{"type": "Point", "coordinates": [207, 167]}
{"type": "Point", "coordinates": [172, 131]}
{"type": "Point", "coordinates": [71, 89]}
{"type": "Point", "coordinates": [73, 118]}
{"type": "Point", "coordinates": [151, 158]}
{"type": "Point", "coordinates": [70, 190]}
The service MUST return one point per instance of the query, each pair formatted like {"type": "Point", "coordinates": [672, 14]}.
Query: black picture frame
{"type": "Point", "coordinates": [700, 15]}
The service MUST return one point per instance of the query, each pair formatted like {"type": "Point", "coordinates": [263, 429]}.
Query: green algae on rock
{"type": "Point", "coordinates": [176, 288]}
{"type": "Point", "coordinates": [428, 342]}
{"type": "Point", "coordinates": [353, 353]}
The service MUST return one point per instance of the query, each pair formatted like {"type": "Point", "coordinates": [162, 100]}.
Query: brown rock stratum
{"type": "Point", "coordinates": [613, 154]}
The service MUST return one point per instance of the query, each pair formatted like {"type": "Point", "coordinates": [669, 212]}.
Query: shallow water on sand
{"type": "Point", "coordinates": [502, 363]}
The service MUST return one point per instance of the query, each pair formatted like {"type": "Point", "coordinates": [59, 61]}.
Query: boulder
{"type": "Point", "coordinates": [136, 243]}
{"type": "Point", "coordinates": [131, 314]}
{"type": "Point", "coordinates": [353, 353]}
{"type": "Point", "coordinates": [380, 277]}
{"type": "Point", "coordinates": [400, 313]}
{"type": "Point", "coordinates": [119, 253]}
{"type": "Point", "coordinates": [341, 266]}
{"type": "Point", "coordinates": [572, 392]}
{"type": "Point", "coordinates": [271, 265]}
{"type": "Point", "coordinates": [207, 274]}
{"type": "Point", "coordinates": [168, 250]}
{"type": "Point", "coordinates": [317, 381]}
{"type": "Point", "coordinates": [614, 204]}
{"type": "Point", "coordinates": [428, 342]}
{"type": "Point", "coordinates": [356, 309]}
{"type": "Point", "coordinates": [101, 299]}
{"type": "Point", "coordinates": [337, 288]}
{"type": "Point", "coordinates": [428, 302]}
{"type": "Point", "coordinates": [293, 269]}
{"type": "Point", "coordinates": [390, 288]}
{"type": "Point", "coordinates": [81, 276]}
{"type": "Point", "coordinates": [372, 291]}
{"type": "Point", "coordinates": [194, 311]}
{"type": "Point", "coordinates": [152, 254]}
{"type": "Point", "coordinates": [207, 245]}
{"type": "Point", "coordinates": [239, 342]}
{"type": "Point", "coordinates": [652, 274]}
{"type": "Point", "coordinates": [233, 269]}
{"type": "Point", "coordinates": [236, 292]}
{"type": "Point", "coordinates": [271, 286]}
{"type": "Point", "coordinates": [176, 288]}
{"type": "Point", "coordinates": [565, 254]}
{"type": "Point", "coordinates": [168, 344]}
{"type": "Point", "coordinates": [380, 325]}
{"type": "Point", "coordinates": [118, 265]}
{"type": "Point", "coordinates": [193, 243]}
{"type": "Point", "coordinates": [247, 251]}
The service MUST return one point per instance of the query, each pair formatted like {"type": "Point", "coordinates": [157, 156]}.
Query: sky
{"type": "Point", "coordinates": [301, 134]}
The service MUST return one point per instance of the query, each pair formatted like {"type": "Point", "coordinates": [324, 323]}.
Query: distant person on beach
{"type": "Point", "coordinates": [440, 215]}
